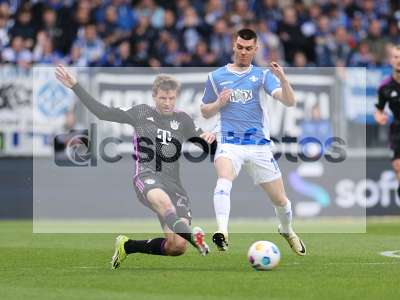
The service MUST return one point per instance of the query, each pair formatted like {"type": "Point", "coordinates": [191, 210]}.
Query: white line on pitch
{"type": "Point", "coordinates": [394, 253]}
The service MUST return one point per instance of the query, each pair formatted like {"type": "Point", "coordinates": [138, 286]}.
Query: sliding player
{"type": "Point", "coordinates": [162, 130]}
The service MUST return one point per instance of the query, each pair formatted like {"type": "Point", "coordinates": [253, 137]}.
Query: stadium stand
{"type": "Point", "coordinates": [196, 33]}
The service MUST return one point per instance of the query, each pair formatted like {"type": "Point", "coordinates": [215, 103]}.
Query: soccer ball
{"type": "Point", "coordinates": [263, 255]}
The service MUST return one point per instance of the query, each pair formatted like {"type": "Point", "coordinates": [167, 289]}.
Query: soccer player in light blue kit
{"type": "Point", "coordinates": [243, 135]}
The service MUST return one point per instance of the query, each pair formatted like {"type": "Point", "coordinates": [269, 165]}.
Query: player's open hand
{"type": "Point", "coordinates": [278, 71]}
{"type": "Point", "coordinates": [208, 137]}
{"type": "Point", "coordinates": [224, 96]}
{"type": "Point", "coordinates": [381, 117]}
{"type": "Point", "coordinates": [65, 77]}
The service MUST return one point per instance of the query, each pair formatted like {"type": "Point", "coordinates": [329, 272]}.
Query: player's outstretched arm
{"type": "Point", "coordinates": [286, 94]}
{"type": "Point", "coordinates": [101, 111]}
{"type": "Point", "coordinates": [211, 109]}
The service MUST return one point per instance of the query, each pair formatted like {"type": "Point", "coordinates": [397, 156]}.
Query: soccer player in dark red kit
{"type": "Point", "coordinates": [389, 93]}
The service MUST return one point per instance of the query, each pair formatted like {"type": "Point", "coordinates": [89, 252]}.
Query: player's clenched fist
{"type": "Point", "coordinates": [223, 98]}
{"type": "Point", "coordinates": [65, 77]}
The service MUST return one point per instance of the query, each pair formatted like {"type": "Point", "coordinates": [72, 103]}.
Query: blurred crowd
{"type": "Point", "coordinates": [196, 33]}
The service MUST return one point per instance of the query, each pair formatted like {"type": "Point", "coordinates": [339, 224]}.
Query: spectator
{"type": "Point", "coordinates": [363, 57]}
{"type": "Point", "coordinates": [358, 33]}
{"type": "Point", "coordinates": [82, 17]}
{"type": "Point", "coordinates": [24, 28]}
{"type": "Point", "coordinates": [190, 30]}
{"type": "Point", "coordinates": [4, 28]}
{"type": "Point", "coordinates": [370, 11]}
{"type": "Point", "coordinates": [75, 58]}
{"type": "Point", "coordinates": [143, 42]}
{"type": "Point", "coordinates": [5, 10]}
{"type": "Point", "coordinates": [160, 46]}
{"type": "Point", "coordinates": [394, 32]}
{"type": "Point", "coordinates": [109, 30]}
{"type": "Point", "coordinates": [386, 63]}
{"type": "Point", "coordinates": [126, 18]}
{"type": "Point", "coordinates": [289, 32]}
{"type": "Point", "coordinates": [340, 52]}
{"type": "Point", "coordinates": [267, 40]}
{"type": "Point", "coordinates": [324, 42]}
{"type": "Point", "coordinates": [174, 56]}
{"type": "Point", "coordinates": [214, 10]}
{"type": "Point", "coordinates": [337, 17]}
{"type": "Point", "coordinates": [120, 57]}
{"type": "Point", "coordinates": [17, 53]}
{"type": "Point", "coordinates": [268, 10]}
{"type": "Point", "coordinates": [144, 31]}
{"type": "Point", "coordinates": [148, 8]}
{"type": "Point", "coordinates": [91, 46]}
{"type": "Point", "coordinates": [240, 13]}
{"type": "Point", "coordinates": [141, 54]}
{"type": "Point", "coordinates": [349, 7]}
{"type": "Point", "coordinates": [376, 41]}
{"type": "Point", "coordinates": [202, 57]}
{"type": "Point", "coordinates": [220, 41]}
{"type": "Point", "coordinates": [44, 52]}
{"type": "Point", "coordinates": [301, 10]}
{"type": "Point", "coordinates": [54, 30]}
{"type": "Point", "coordinates": [180, 8]}
{"type": "Point", "coordinates": [309, 27]}
{"type": "Point", "coordinates": [169, 23]}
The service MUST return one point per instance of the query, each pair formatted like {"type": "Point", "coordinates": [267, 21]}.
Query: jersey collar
{"type": "Point", "coordinates": [239, 73]}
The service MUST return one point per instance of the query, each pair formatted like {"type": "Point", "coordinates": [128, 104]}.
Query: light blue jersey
{"type": "Point", "coordinates": [242, 119]}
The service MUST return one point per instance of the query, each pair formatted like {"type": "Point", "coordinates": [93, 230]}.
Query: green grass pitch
{"type": "Point", "coordinates": [76, 266]}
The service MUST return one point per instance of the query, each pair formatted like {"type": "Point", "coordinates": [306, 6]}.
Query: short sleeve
{"type": "Point", "coordinates": [210, 92]}
{"type": "Point", "coordinates": [382, 98]}
{"type": "Point", "coordinates": [270, 82]}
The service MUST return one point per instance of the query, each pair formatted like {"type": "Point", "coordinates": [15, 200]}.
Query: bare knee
{"type": "Point", "coordinates": [160, 201]}
{"type": "Point", "coordinates": [175, 248]}
{"type": "Point", "coordinates": [225, 168]}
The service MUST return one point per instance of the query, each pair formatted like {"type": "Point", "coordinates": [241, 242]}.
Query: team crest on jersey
{"type": "Point", "coordinates": [149, 181]}
{"type": "Point", "coordinates": [241, 96]}
{"type": "Point", "coordinates": [174, 124]}
{"type": "Point", "coordinates": [393, 94]}
{"type": "Point", "coordinates": [253, 78]}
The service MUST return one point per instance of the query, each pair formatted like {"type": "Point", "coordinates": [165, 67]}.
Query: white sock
{"type": "Point", "coordinates": [284, 214]}
{"type": "Point", "coordinates": [222, 203]}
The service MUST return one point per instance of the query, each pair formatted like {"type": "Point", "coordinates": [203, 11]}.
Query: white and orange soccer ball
{"type": "Point", "coordinates": [263, 255]}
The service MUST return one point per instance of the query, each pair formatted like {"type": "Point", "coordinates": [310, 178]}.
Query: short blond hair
{"type": "Point", "coordinates": [166, 83]}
